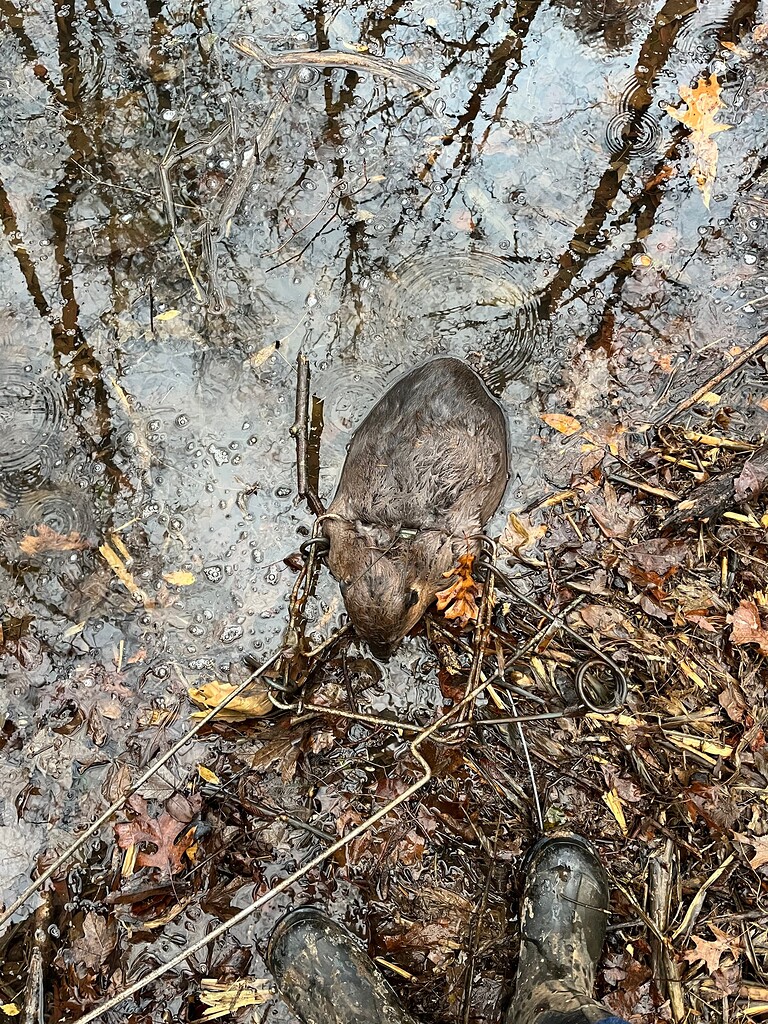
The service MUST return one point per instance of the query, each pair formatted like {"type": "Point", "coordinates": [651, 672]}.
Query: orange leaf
{"type": "Point", "coordinates": [703, 103]}
{"type": "Point", "coordinates": [461, 594]}
{"type": "Point", "coordinates": [562, 423]}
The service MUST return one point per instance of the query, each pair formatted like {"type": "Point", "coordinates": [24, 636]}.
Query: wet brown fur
{"type": "Point", "coordinates": [431, 456]}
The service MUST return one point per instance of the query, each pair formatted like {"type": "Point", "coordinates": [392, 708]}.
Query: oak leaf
{"type": "Point", "coordinates": [703, 103]}
{"type": "Point", "coordinates": [459, 597]}
{"type": "Point", "coordinates": [747, 628]}
{"type": "Point", "coordinates": [711, 951]}
{"type": "Point", "coordinates": [158, 840]}
{"type": "Point", "coordinates": [46, 539]}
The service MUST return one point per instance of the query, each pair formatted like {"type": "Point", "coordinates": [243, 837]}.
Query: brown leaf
{"type": "Point", "coordinates": [47, 539]}
{"type": "Point", "coordinates": [461, 594]}
{"type": "Point", "coordinates": [760, 844]}
{"type": "Point", "coordinates": [562, 423]}
{"type": "Point", "coordinates": [162, 834]}
{"type": "Point", "coordinates": [703, 103]}
{"type": "Point", "coordinates": [519, 533]}
{"type": "Point", "coordinates": [606, 620]}
{"type": "Point", "coordinates": [710, 952]}
{"type": "Point", "coordinates": [751, 481]}
{"type": "Point", "coordinates": [98, 940]}
{"type": "Point", "coordinates": [746, 627]}
{"type": "Point", "coordinates": [252, 703]}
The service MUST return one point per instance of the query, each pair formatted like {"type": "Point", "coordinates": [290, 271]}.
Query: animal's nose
{"type": "Point", "coordinates": [383, 651]}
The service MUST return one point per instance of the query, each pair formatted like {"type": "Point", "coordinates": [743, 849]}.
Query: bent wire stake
{"type": "Point", "coordinates": [75, 846]}
{"type": "Point", "coordinates": [287, 882]}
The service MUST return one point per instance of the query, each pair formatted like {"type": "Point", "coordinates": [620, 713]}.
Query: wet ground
{"type": "Point", "coordinates": [535, 213]}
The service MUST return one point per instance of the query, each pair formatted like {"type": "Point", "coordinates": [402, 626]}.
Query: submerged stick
{"type": "Point", "coordinates": [366, 62]}
{"type": "Point", "coordinates": [300, 431]}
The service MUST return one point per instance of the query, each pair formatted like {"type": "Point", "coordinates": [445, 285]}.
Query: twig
{"type": "Point", "coordinates": [371, 63]}
{"type": "Point", "coordinates": [665, 968]}
{"type": "Point", "coordinates": [75, 846]}
{"type": "Point", "coordinates": [737, 363]}
{"type": "Point", "coordinates": [34, 1000]}
{"type": "Point", "coordinates": [300, 431]}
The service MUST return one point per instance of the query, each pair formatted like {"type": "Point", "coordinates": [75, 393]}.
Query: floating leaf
{"type": "Point", "coordinates": [703, 103]}
{"type": "Point", "coordinates": [253, 704]}
{"type": "Point", "coordinates": [179, 579]}
{"type": "Point", "coordinates": [46, 539]}
{"type": "Point", "coordinates": [562, 423]}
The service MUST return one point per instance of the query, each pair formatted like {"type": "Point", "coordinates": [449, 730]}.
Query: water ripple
{"type": "Point", "coordinates": [465, 303]}
{"type": "Point", "coordinates": [31, 413]}
{"type": "Point", "coordinates": [633, 130]}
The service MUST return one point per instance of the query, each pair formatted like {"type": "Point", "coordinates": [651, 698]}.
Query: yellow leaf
{"type": "Point", "coordinates": [260, 357]}
{"type": "Point", "coordinates": [118, 567]}
{"type": "Point", "coordinates": [520, 534]}
{"type": "Point", "coordinates": [562, 423]}
{"type": "Point", "coordinates": [169, 314]}
{"type": "Point", "coordinates": [710, 398]}
{"type": "Point", "coordinates": [613, 802]}
{"type": "Point", "coordinates": [179, 579]}
{"type": "Point", "coordinates": [703, 103]}
{"type": "Point", "coordinates": [10, 1009]}
{"type": "Point", "coordinates": [252, 704]}
{"type": "Point", "coordinates": [207, 775]}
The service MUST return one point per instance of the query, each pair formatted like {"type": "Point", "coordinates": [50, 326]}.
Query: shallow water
{"type": "Point", "coordinates": [533, 214]}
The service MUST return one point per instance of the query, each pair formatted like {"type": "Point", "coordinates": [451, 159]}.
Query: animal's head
{"type": "Point", "coordinates": [387, 578]}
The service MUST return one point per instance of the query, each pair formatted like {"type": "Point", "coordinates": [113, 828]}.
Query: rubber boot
{"type": "Point", "coordinates": [563, 919]}
{"type": "Point", "coordinates": [325, 977]}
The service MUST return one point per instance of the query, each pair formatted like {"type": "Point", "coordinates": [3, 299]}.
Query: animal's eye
{"type": "Point", "coordinates": [413, 597]}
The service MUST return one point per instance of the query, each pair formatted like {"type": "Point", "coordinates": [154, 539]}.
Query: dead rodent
{"type": "Point", "coordinates": [425, 471]}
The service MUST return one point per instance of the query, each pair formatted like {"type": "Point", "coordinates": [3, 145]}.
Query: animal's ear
{"type": "Point", "coordinates": [377, 537]}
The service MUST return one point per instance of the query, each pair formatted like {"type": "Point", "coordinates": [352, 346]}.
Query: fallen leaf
{"type": "Point", "coordinates": [461, 594]}
{"type": "Point", "coordinates": [613, 801]}
{"type": "Point", "coordinates": [169, 314]}
{"type": "Point", "coordinates": [119, 568]}
{"type": "Point", "coordinates": [10, 1009]}
{"type": "Point", "coordinates": [46, 539]}
{"type": "Point", "coordinates": [760, 844]}
{"type": "Point", "coordinates": [562, 423]}
{"type": "Point", "coordinates": [179, 579]}
{"type": "Point", "coordinates": [520, 534]}
{"type": "Point", "coordinates": [97, 941]}
{"type": "Point", "coordinates": [703, 103]}
{"type": "Point", "coordinates": [161, 833]}
{"type": "Point", "coordinates": [746, 627]}
{"type": "Point", "coordinates": [207, 775]}
{"type": "Point", "coordinates": [254, 703]}
{"type": "Point", "coordinates": [711, 951]}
